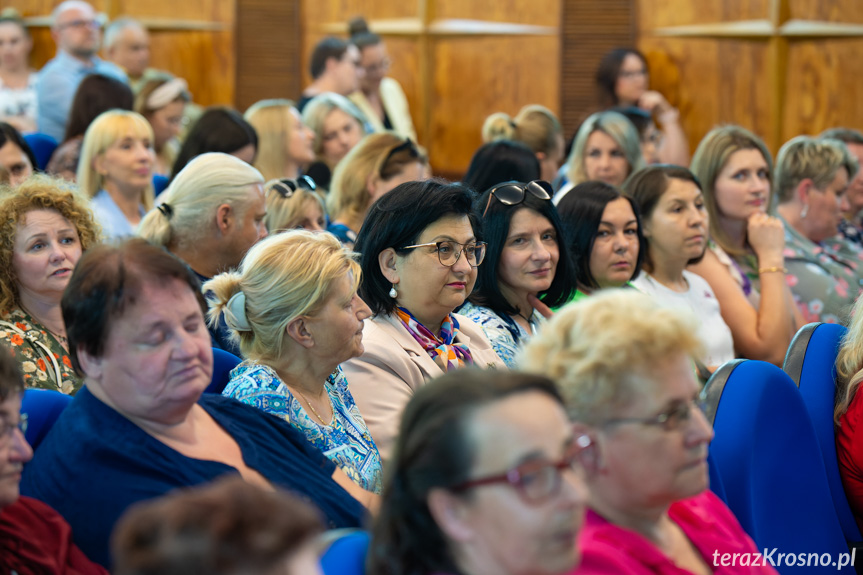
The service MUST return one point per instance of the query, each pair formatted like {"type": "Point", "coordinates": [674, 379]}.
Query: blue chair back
{"type": "Point", "coordinates": [347, 554]}
{"type": "Point", "coordinates": [43, 407]}
{"type": "Point", "coordinates": [43, 147]}
{"type": "Point", "coordinates": [160, 182]}
{"type": "Point", "coordinates": [769, 459]}
{"type": "Point", "coordinates": [223, 363]}
{"type": "Point", "coordinates": [811, 365]}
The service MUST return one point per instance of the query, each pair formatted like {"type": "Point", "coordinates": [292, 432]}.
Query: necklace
{"type": "Point", "coordinates": [312, 407]}
{"type": "Point", "coordinates": [60, 338]}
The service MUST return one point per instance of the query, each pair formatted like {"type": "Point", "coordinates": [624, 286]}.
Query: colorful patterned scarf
{"type": "Point", "coordinates": [442, 350]}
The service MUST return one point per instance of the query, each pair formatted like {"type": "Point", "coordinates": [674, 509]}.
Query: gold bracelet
{"type": "Point", "coordinates": [771, 270]}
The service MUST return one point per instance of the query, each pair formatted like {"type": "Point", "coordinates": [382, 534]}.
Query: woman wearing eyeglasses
{"type": "Point", "coordinates": [294, 204]}
{"type": "Point", "coordinates": [419, 253]}
{"type": "Point", "coordinates": [284, 142]}
{"type": "Point", "coordinates": [623, 364]}
{"type": "Point", "coordinates": [486, 477]}
{"type": "Point", "coordinates": [376, 165]}
{"type": "Point", "coordinates": [527, 259]}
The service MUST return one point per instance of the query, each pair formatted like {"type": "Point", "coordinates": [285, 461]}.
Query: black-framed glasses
{"type": "Point", "coordinates": [407, 145]}
{"type": "Point", "coordinates": [513, 194]}
{"type": "Point", "coordinates": [448, 252]}
{"type": "Point", "coordinates": [286, 187]}
{"type": "Point", "coordinates": [670, 420]}
{"type": "Point", "coordinates": [538, 481]}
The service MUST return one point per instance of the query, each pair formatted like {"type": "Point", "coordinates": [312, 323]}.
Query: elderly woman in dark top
{"type": "Point", "coordinates": [135, 316]}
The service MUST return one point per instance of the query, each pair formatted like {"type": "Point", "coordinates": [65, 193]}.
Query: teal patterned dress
{"type": "Point", "coordinates": [346, 441]}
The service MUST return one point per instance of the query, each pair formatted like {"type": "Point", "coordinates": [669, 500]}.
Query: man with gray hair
{"type": "Point", "coordinates": [127, 44]}
{"type": "Point", "coordinates": [77, 33]}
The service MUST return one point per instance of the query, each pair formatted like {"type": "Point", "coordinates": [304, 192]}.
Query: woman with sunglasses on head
{"type": "Point", "coordinates": [605, 236]}
{"type": "Point", "coordinates": [527, 259]}
{"type": "Point", "coordinates": [376, 165]}
{"type": "Point", "coordinates": [623, 363]}
{"type": "Point", "coordinates": [485, 478]}
{"type": "Point", "coordinates": [419, 252]}
{"type": "Point", "coordinates": [294, 204]}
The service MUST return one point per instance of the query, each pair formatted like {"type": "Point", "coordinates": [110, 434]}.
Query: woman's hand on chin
{"type": "Point", "coordinates": [540, 307]}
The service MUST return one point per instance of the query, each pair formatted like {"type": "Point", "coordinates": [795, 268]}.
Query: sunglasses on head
{"type": "Point", "coordinates": [511, 194]}
{"type": "Point", "coordinates": [286, 187]}
{"type": "Point", "coordinates": [407, 145]}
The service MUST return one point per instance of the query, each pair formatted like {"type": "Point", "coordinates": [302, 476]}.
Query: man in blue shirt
{"type": "Point", "coordinates": [77, 33]}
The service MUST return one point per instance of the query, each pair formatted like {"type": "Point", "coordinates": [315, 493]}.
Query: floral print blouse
{"type": "Point", "coordinates": [346, 441]}
{"type": "Point", "coordinates": [506, 335]}
{"type": "Point", "coordinates": [40, 356]}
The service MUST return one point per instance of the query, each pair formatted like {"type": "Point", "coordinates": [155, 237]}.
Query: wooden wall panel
{"type": "Point", "coordinates": [827, 10]}
{"type": "Point", "coordinates": [653, 14]}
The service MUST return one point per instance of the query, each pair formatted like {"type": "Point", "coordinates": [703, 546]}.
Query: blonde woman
{"type": "Point", "coordinates": [606, 148]}
{"type": "Point", "coordinates": [294, 309]}
{"type": "Point", "coordinates": [284, 142]}
{"type": "Point", "coordinates": [338, 126]}
{"type": "Point", "coordinates": [116, 170]}
{"type": "Point", "coordinates": [379, 163]}
{"type": "Point", "coordinates": [534, 126]}
{"type": "Point", "coordinates": [294, 204]}
{"type": "Point", "coordinates": [162, 100]}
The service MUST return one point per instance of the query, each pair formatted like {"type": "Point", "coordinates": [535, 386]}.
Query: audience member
{"type": "Point", "coordinates": [380, 98]}
{"type": "Point", "coordinates": [536, 127]}
{"type": "Point", "coordinates": [851, 226]}
{"type": "Point", "coordinates": [849, 404]}
{"type": "Point", "coordinates": [17, 78]}
{"type": "Point", "coordinates": [605, 235]}
{"type": "Point", "coordinates": [419, 253]}
{"type": "Point", "coordinates": [294, 204]}
{"type": "Point", "coordinates": [649, 137]}
{"type": "Point", "coordinates": [623, 364]}
{"type": "Point", "coordinates": [228, 528]}
{"type": "Point", "coordinates": [486, 476]}
{"type": "Point", "coordinates": [16, 157]}
{"type": "Point", "coordinates": [285, 142]}
{"type": "Point", "coordinates": [622, 79]}
{"type": "Point", "coordinates": [334, 67]}
{"type": "Point", "coordinates": [127, 44]}
{"type": "Point", "coordinates": [95, 95]}
{"type": "Point", "coordinates": [162, 101]}
{"type": "Point", "coordinates": [501, 161]}
{"type": "Point", "coordinates": [811, 178]}
{"type": "Point", "coordinates": [210, 216]}
{"type": "Point", "coordinates": [744, 263]}
{"type": "Point", "coordinates": [77, 34]}
{"type": "Point", "coordinates": [218, 130]}
{"type": "Point", "coordinates": [376, 165]}
{"type": "Point", "coordinates": [293, 307]}
{"type": "Point", "coordinates": [116, 171]}
{"type": "Point", "coordinates": [675, 220]}
{"type": "Point", "coordinates": [338, 126]}
{"type": "Point", "coordinates": [46, 226]}
{"type": "Point", "coordinates": [33, 537]}
{"type": "Point", "coordinates": [528, 259]}
{"type": "Point", "coordinates": [606, 149]}
{"type": "Point", "coordinates": [141, 428]}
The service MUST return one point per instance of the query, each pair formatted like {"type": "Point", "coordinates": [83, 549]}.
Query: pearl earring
{"type": "Point", "coordinates": [393, 293]}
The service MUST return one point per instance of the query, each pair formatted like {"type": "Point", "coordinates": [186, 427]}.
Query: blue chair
{"type": "Point", "coordinates": [223, 363]}
{"type": "Point", "coordinates": [160, 182]}
{"type": "Point", "coordinates": [346, 555]}
{"type": "Point", "coordinates": [811, 364]}
{"type": "Point", "coordinates": [43, 407]}
{"type": "Point", "coordinates": [767, 454]}
{"type": "Point", "coordinates": [43, 147]}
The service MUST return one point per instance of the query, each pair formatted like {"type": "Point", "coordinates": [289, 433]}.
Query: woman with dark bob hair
{"type": "Point", "coordinates": [527, 259]}
{"type": "Point", "coordinates": [141, 427]}
{"type": "Point", "coordinates": [603, 228]}
{"type": "Point", "coordinates": [498, 162]}
{"type": "Point", "coordinates": [486, 477]}
{"type": "Point", "coordinates": [218, 130]}
{"type": "Point", "coordinates": [419, 252]}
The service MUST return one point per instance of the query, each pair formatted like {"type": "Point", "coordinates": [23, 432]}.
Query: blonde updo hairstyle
{"type": "Point", "coordinates": [189, 204]}
{"type": "Point", "coordinates": [281, 278]}
{"type": "Point", "coordinates": [598, 350]}
{"type": "Point", "coordinates": [534, 126]}
{"type": "Point", "coordinates": [287, 213]}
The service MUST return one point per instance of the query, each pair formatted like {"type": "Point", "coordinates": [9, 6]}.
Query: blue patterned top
{"type": "Point", "coordinates": [346, 441]}
{"type": "Point", "coordinates": [506, 336]}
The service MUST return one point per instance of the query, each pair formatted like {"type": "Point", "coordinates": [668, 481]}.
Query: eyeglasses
{"type": "Point", "coordinates": [629, 74]}
{"type": "Point", "coordinates": [448, 254]}
{"type": "Point", "coordinates": [80, 24]}
{"type": "Point", "coordinates": [407, 145]}
{"type": "Point", "coordinates": [286, 187]}
{"type": "Point", "coordinates": [7, 430]}
{"type": "Point", "coordinates": [538, 481]}
{"type": "Point", "coordinates": [514, 194]}
{"type": "Point", "coordinates": [382, 66]}
{"type": "Point", "coordinates": [675, 418]}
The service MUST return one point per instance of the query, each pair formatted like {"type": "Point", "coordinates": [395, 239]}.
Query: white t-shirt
{"type": "Point", "coordinates": [700, 299]}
